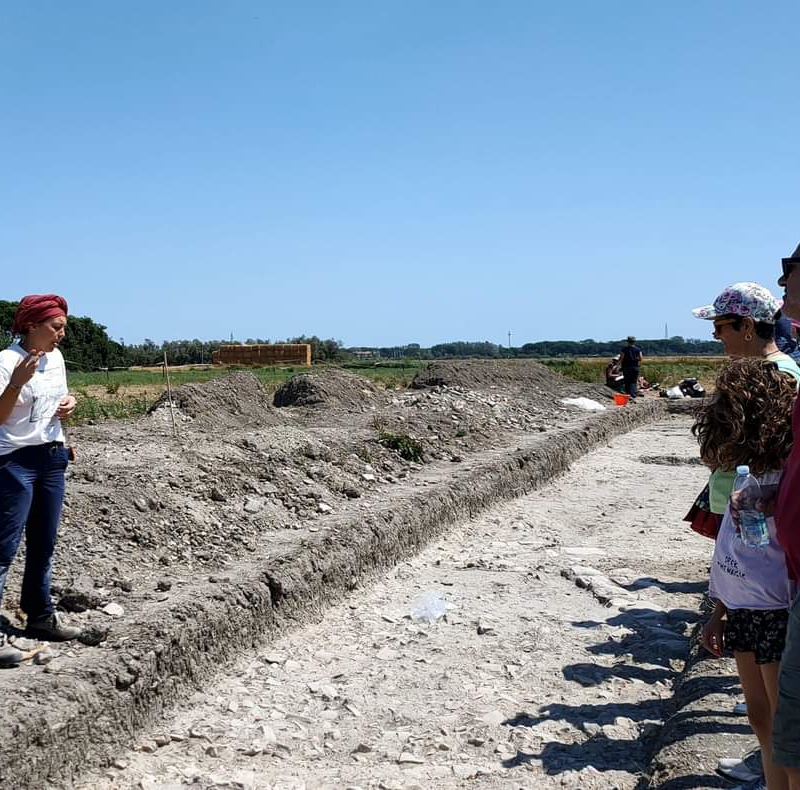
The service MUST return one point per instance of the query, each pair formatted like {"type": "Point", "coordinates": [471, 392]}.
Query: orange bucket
{"type": "Point", "coordinates": [621, 399]}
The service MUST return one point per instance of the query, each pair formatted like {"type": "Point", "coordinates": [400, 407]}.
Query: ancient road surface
{"type": "Point", "coordinates": [553, 666]}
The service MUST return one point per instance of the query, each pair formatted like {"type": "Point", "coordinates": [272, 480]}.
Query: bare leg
{"type": "Point", "coordinates": [776, 774]}
{"type": "Point", "coordinates": [760, 709]}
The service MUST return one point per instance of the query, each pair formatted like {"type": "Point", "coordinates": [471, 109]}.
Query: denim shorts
{"type": "Point", "coordinates": [786, 724]}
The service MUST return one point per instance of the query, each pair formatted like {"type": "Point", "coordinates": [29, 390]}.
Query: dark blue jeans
{"type": "Point", "coordinates": [31, 496]}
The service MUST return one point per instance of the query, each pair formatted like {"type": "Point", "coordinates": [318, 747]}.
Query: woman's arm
{"type": "Point", "coordinates": [712, 630]}
{"type": "Point", "coordinates": [20, 376]}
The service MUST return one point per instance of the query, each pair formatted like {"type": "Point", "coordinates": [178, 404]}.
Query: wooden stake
{"type": "Point", "coordinates": [169, 396]}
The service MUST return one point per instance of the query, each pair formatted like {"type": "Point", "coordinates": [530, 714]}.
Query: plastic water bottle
{"type": "Point", "coordinates": [752, 522]}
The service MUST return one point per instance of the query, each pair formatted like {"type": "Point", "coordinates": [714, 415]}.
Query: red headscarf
{"type": "Point", "coordinates": [36, 308]}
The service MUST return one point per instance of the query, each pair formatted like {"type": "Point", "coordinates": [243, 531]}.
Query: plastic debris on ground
{"type": "Point", "coordinates": [587, 404]}
{"type": "Point", "coordinates": [428, 607]}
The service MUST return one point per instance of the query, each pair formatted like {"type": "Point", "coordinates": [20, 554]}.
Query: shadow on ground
{"type": "Point", "coordinates": [624, 736]}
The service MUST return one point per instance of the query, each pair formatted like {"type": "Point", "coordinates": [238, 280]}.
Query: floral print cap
{"type": "Point", "coordinates": [744, 299]}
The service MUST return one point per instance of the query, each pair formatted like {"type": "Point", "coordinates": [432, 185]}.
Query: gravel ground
{"type": "Point", "coordinates": [567, 624]}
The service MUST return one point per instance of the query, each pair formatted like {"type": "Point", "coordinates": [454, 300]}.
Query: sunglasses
{"type": "Point", "coordinates": [787, 263]}
{"type": "Point", "coordinates": [719, 324]}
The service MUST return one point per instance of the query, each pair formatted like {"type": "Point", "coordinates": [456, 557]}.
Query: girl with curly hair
{"type": "Point", "coordinates": [748, 421]}
{"type": "Point", "coordinates": [744, 318]}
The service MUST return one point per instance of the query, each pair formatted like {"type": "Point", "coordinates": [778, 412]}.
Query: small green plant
{"type": "Point", "coordinates": [403, 445]}
{"type": "Point", "coordinates": [461, 433]}
{"type": "Point", "coordinates": [95, 410]}
{"type": "Point", "coordinates": [112, 388]}
{"type": "Point", "coordinates": [378, 423]}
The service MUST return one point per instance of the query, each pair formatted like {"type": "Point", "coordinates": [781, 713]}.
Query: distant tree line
{"type": "Point", "coordinates": [87, 346]}
{"type": "Point", "coordinates": [673, 346]}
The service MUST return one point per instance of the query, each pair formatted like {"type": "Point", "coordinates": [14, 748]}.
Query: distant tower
{"type": "Point", "coordinates": [666, 334]}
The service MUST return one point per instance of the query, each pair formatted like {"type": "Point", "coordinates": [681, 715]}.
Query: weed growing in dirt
{"type": "Point", "coordinates": [378, 423]}
{"type": "Point", "coordinates": [403, 445]}
{"type": "Point", "coordinates": [389, 374]}
{"type": "Point", "coordinates": [91, 409]}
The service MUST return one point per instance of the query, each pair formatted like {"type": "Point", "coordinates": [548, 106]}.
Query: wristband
{"type": "Point", "coordinates": [15, 386]}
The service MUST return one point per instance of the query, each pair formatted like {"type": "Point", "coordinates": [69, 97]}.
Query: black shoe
{"type": "Point", "coordinates": [53, 628]}
{"type": "Point", "coordinates": [9, 655]}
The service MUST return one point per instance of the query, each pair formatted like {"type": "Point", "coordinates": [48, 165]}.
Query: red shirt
{"type": "Point", "coordinates": [787, 509]}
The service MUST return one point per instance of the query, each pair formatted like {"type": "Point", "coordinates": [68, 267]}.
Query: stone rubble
{"type": "Point", "coordinates": [553, 666]}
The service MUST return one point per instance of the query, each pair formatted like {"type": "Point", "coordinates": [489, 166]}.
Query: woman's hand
{"type": "Point", "coordinates": [24, 370]}
{"type": "Point", "coordinates": [65, 407]}
{"type": "Point", "coordinates": [712, 635]}
{"type": "Point", "coordinates": [765, 504]}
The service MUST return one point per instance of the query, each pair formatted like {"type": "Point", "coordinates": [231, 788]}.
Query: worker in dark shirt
{"type": "Point", "coordinates": [630, 359]}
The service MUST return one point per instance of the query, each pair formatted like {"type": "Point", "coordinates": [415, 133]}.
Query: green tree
{"type": "Point", "coordinates": [322, 350]}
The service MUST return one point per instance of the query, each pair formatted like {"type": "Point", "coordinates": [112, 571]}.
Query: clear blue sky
{"type": "Point", "coordinates": [395, 171]}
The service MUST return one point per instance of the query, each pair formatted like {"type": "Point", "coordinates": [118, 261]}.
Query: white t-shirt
{"type": "Point", "coordinates": [33, 420]}
{"type": "Point", "coordinates": [745, 578]}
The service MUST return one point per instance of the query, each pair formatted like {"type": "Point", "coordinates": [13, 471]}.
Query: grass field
{"type": "Point", "coordinates": [121, 394]}
{"type": "Point", "coordinates": [666, 371]}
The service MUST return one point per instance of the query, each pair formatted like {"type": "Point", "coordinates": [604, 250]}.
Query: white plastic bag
{"type": "Point", "coordinates": [587, 404]}
{"type": "Point", "coordinates": [428, 607]}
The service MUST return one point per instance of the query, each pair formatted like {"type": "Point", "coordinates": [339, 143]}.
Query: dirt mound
{"type": "Point", "coordinates": [331, 387]}
{"type": "Point", "coordinates": [522, 374]}
{"type": "Point", "coordinates": [235, 400]}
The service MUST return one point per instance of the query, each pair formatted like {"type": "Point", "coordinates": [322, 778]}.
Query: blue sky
{"type": "Point", "coordinates": [396, 171]}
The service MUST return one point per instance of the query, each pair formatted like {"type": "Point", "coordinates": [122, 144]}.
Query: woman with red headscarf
{"type": "Point", "coordinates": [33, 401]}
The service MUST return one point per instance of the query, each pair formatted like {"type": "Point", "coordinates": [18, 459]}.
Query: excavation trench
{"type": "Point", "coordinates": [81, 709]}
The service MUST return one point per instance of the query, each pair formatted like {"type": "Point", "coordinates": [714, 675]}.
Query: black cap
{"type": "Point", "coordinates": [794, 257]}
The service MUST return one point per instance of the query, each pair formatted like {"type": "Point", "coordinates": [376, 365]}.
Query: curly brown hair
{"type": "Point", "coordinates": [748, 419]}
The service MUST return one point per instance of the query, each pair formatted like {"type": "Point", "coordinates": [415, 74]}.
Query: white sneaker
{"type": "Point", "coordinates": [746, 769]}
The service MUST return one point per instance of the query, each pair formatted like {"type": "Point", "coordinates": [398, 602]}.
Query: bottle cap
{"type": "Point", "coordinates": [744, 469]}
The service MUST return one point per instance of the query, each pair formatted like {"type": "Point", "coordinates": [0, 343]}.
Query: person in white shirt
{"type": "Point", "coordinates": [33, 457]}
